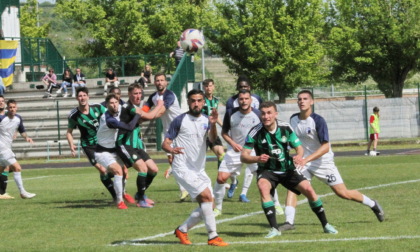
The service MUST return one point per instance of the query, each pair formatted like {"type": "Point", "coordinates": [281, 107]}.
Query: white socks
{"type": "Point", "coordinates": [247, 180]}
{"type": "Point", "coordinates": [290, 212]}
{"type": "Point", "coordinates": [194, 219]}
{"type": "Point", "coordinates": [209, 219]}
{"type": "Point", "coordinates": [367, 201]}
{"type": "Point", "coordinates": [219, 194]}
{"type": "Point", "coordinates": [18, 179]}
{"type": "Point", "coordinates": [118, 187]}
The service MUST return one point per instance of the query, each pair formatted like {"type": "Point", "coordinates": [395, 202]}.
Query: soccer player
{"type": "Point", "coordinates": [86, 117]}
{"type": "Point", "coordinates": [374, 131]}
{"type": "Point", "coordinates": [4, 171]}
{"type": "Point", "coordinates": [168, 113]}
{"type": "Point", "coordinates": [271, 140]}
{"type": "Point", "coordinates": [236, 125]}
{"type": "Point", "coordinates": [186, 140]}
{"type": "Point", "coordinates": [211, 102]}
{"type": "Point", "coordinates": [318, 159]}
{"type": "Point", "coordinates": [130, 147]}
{"type": "Point", "coordinates": [105, 152]}
{"type": "Point", "coordinates": [9, 123]}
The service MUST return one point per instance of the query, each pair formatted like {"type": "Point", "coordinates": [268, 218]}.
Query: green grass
{"type": "Point", "coordinates": [73, 212]}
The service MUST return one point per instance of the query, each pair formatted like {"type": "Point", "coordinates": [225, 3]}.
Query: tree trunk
{"type": "Point", "coordinates": [282, 96]}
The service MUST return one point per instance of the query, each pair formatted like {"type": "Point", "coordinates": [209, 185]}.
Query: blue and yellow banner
{"type": "Point", "coordinates": [8, 49]}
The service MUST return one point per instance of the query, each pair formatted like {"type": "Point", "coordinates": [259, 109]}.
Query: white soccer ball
{"type": "Point", "coordinates": [192, 40]}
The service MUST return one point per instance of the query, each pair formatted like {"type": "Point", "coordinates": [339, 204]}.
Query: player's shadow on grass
{"type": "Point", "coordinates": [85, 204]}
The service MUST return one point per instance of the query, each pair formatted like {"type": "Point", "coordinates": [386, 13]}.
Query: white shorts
{"type": "Point", "coordinates": [107, 158]}
{"type": "Point", "coordinates": [328, 174]}
{"type": "Point", "coordinates": [232, 164]}
{"type": "Point", "coordinates": [7, 157]}
{"type": "Point", "coordinates": [194, 182]}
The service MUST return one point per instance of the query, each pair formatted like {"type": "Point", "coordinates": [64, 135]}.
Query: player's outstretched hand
{"type": "Point", "coordinates": [214, 116]}
{"type": "Point", "coordinates": [177, 150]}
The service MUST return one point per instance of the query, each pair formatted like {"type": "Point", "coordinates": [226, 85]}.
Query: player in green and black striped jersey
{"type": "Point", "coordinates": [211, 102]}
{"type": "Point", "coordinates": [130, 147]}
{"type": "Point", "coordinates": [271, 139]}
{"type": "Point", "coordinates": [86, 118]}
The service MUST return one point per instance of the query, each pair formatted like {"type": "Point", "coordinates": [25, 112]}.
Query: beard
{"type": "Point", "coordinates": [195, 112]}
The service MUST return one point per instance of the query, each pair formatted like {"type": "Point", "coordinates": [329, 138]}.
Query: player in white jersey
{"type": "Point", "coordinates": [167, 114]}
{"type": "Point", "coordinates": [318, 159]}
{"type": "Point", "coordinates": [9, 123]}
{"type": "Point", "coordinates": [105, 153]}
{"type": "Point", "coordinates": [186, 140]}
{"type": "Point", "coordinates": [236, 125]}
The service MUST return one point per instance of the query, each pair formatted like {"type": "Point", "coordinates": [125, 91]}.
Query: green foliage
{"type": "Point", "coordinates": [29, 14]}
{"type": "Point", "coordinates": [131, 27]}
{"type": "Point", "coordinates": [275, 43]}
{"type": "Point", "coordinates": [378, 39]}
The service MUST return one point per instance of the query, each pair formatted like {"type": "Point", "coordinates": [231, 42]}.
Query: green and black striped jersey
{"type": "Point", "coordinates": [275, 145]}
{"type": "Point", "coordinates": [88, 124]}
{"type": "Point", "coordinates": [130, 138]}
{"type": "Point", "coordinates": [209, 105]}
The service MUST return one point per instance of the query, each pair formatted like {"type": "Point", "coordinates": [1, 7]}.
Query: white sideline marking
{"type": "Point", "coordinates": [400, 237]}
{"type": "Point", "coordinates": [134, 241]}
{"type": "Point", "coordinates": [41, 177]}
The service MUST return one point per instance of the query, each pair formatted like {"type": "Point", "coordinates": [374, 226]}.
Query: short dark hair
{"type": "Point", "coordinates": [160, 74]}
{"type": "Point", "coordinates": [10, 101]}
{"type": "Point", "coordinates": [113, 88]}
{"type": "Point", "coordinates": [133, 86]}
{"type": "Point", "coordinates": [306, 91]}
{"type": "Point", "coordinates": [242, 78]}
{"type": "Point", "coordinates": [375, 109]}
{"type": "Point", "coordinates": [207, 81]}
{"type": "Point", "coordinates": [194, 92]}
{"type": "Point", "coordinates": [82, 89]}
{"type": "Point", "coordinates": [244, 91]}
{"type": "Point", "coordinates": [1, 96]}
{"type": "Point", "coordinates": [111, 96]}
{"type": "Point", "coordinates": [268, 104]}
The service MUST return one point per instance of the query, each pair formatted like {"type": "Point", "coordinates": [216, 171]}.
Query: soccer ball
{"type": "Point", "coordinates": [192, 40]}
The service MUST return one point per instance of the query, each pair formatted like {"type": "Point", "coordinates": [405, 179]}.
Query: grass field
{"type": "Point", "coordinates": [73, 212]}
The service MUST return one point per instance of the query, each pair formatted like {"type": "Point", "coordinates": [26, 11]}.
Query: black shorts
{"type": "Point", "coordinates": [130, 155]}
{"type": "Point", "coordinates": [289, 179]}
{"type": "Point", "coordinates": [217, 142]}
{"type": "Point", "coordinates": [90, 153]}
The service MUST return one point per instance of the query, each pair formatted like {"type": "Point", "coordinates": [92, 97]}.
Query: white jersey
{"type": "Point", "coordinates": [312, 132]}
{"type": "Point", "coordinates": [106, 135]}
{"type": "Point", "coordinates": [189, 132]}
{"type": "Point", "coordinates": [170, 101]}
{"type": "Point", "coordinates": [8, 127]}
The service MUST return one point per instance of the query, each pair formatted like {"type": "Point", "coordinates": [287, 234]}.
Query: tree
{"type": "Point", "coordinates": [29, 14]}
{"type": "Point", "coordinates": [127, 27]}
{"type": "Point", "coordinates": [274, 42]}
{"type": "Point", "coordinates": [375, 38]}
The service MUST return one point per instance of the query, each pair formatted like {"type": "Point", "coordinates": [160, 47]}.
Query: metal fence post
{"type": "Point", "coordinates": [367, 116]}
{"type": "Point", "coordinates": [58, 127]}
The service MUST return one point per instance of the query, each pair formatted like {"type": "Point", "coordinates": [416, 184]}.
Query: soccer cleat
{"type": "Point", "coordinates": [231, 190]}
{"type": "Point", "coordinates": [144, 204]}
{"type": "Point", "coordinates": [328, 229]}
{"type": "Point", "coordinates": [168, 172]}
{"type": "Point", "coordinates": [217, 241]}
{"type": "Point", "coordinates": [6, 196]}
{"type": "Point", "coordinates": [184, 195]}
{"type": "Point", "coordinates": [286, 226]}
{"type": "Point", "coordinates": [372, 153]}
{"type": "Point", "coordinates": [27, 195]}
{"type": "Point", "coordinates": [243, 198]}
{"type": "Point", "coordinates": [149, 201]}
{"type": "Point", "coordinates": [367, 153]}
{"type": "Point", "coordinates": [127, 197]}
{"type": "Point", "coordinates": [217, 212]}
{"type": "Point", "coordinates": [122, 205]}
{"type": "Point", "coordinates": [273, 233]}
{"type": "Point", "coordinates": [379, 212]}
{"type": "Point", "coordinates": [183, 237]}
{"type": "Point", "coordinates": [279, 210]}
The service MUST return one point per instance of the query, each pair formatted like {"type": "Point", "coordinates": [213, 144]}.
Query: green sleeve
{"type": "Point", "coordinates": [294, 140]}
{"type": "Point", "coordinates": [249, 142]}
{"type": "Point", "coordinates": [71, 124]}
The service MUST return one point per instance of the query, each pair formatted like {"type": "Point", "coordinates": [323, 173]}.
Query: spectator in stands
{"type": "Point", "coordinates": [78, 81]}
{"type": "Point", "coordinates": [110, 79]}
{"type": "Point", "coordinates": [67, 82]}
{"type": "Point", "coordinates": [50, 79]}
{"type": "Point", "coordinates": [146, 76]}
{"type": "Point", "coordinates": [178, 53]}
{"type": "Point", "coordinates": [2, 87]}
